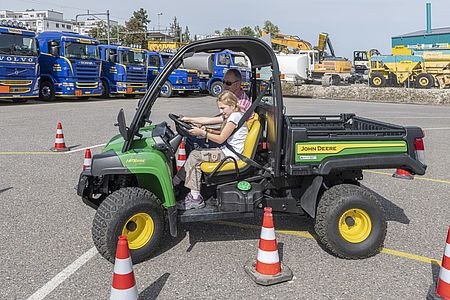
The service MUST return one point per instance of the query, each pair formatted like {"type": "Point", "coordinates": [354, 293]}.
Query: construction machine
{"type": "Point", "coordinates": [323, 66]}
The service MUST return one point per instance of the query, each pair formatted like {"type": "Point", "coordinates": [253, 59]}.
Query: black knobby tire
{"type": "Point", "coordinates": [424, 81]}
{"type": "Point", "coordinates": [333, 204]}
{"type": "Point", "coordinates": [166, 90]}
{"type": "Point", "coordinates": [46, 91]}
{"type": "Point", "coordinates": [106, 91]}
{"type": "Point", "coordinates": [114, 212]}
{"type": "Point", "coordinates": [216, 88]}
{"type": "Point", "coordinates": [377, 80]}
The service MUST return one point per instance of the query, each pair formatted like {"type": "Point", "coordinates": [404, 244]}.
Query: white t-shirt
{"type": "Point", "coordinates": [236, 141]}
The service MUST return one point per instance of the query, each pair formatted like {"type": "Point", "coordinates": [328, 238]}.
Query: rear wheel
{"type": "Point", "coordinates": [46, 91]}
{"type": "Point", "coordinates": [377, 80]}
{"type": "Point", "coordinates": [106, 91]}
{"type": "Point", "coordinates": [350, 222]}
{"type": "Point", "coordinates": [133, 212]}
{"type": "Point", "coordinates": [424, 81]}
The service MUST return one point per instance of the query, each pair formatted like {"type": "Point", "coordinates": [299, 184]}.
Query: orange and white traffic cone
{"type": "Point", "coordinates": [60, 145]}
{"type": "Point", "coordinates": [268, 269]}
{"type": "Point", "coordinates": [123, 285]}
{"type": "Point", "coordinates": [442, 291]}
{"type": "Point", "coordinates": [87, 159]}
{"type": "Point", "coordinates": [403, 174]}
{"type": "Point", "coordinates": [181, 159]}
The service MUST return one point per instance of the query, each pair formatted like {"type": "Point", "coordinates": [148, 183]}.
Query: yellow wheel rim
{"type": "Point", "coordinates": [139, 230]}
{"type": "Point", "coordinates": [355, 225]}
{"type": "Point", "coordinates": [423, 81]}
{"type": "Point", "coordinates": [377, 81]}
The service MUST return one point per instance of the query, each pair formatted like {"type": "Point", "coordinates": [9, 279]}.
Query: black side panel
{"type": "Point", "coordinates": [308, 200]}
{"type": "Point", "coordinates": [107, 163]}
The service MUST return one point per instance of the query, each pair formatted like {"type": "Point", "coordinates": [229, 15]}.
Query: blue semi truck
{"type": "Point", "coordinates": [70, 65]}
{"type": "Point", "coordinates": [123, 71]}
{"type": "Point", "coordinates": [19, 68]}
{"type": "Point", "coordinates": [213, 66]}
{"type": "Point", "coordinates": [182, 81]}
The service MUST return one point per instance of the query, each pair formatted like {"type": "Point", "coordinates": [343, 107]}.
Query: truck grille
{"type": "Point", "coordinates": [138, 76]}
{"type": "Point", "coordinates": [86, 73]}
{"type": "Point", "coordinates": [16, 82]}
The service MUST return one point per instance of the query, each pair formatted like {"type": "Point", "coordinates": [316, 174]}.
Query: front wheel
{"type": "Point", "coordinates": [377, 80]}
{"type": "Point", "coordinates": [350, 222]}
{"type": "Point", "coordinates": [133, 212]}
{"type": "Point", "coordinates": [425, 81]}
{"type": "Point", "coordinates": [216, 88]}
{"type": "Point", "coordinates": [166, 90]}
{"type": "Point", "coordinates": [46, 91]}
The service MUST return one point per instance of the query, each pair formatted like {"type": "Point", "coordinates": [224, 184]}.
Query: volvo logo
{"type": "Point", "coordinates": [16, 59]}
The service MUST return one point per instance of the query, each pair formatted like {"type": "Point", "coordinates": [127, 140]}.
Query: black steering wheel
{"type": "Point", "coordinates": [182, 127]}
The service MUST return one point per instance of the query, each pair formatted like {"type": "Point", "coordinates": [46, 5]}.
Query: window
{"type": "Point", "coordinates": [47, 24]}
{"type": "Point", "coordinates": [154, 61]}
{"type": "Point", "coordinates": [57, 25]}
{"type": "Point", "coordinates": [34, 23]}
{"type": "Point", "coordinates": [69, 27]}
{"type": "Point", "coordinates": [223, 59]}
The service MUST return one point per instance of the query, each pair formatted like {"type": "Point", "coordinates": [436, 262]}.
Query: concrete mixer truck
{"type": "Point", "coordinates": [213, 66]}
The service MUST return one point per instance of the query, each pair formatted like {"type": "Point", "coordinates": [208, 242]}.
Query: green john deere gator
{"type": "Point", "coordinates": [306, 165]}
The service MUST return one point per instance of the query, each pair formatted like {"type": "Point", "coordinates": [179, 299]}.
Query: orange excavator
{"type": "Point", "coordinates": [323, 66]}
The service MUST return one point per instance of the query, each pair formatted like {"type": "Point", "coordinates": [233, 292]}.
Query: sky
{"type": "Point", "coordinates": [352, 24]}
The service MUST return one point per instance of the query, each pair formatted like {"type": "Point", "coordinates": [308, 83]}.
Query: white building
{"type": "Point", "coordinates": [50, 20]}
{"type": "Point", "coordinates": [39, 20]}
{"type": "Point", "coordinates": [85, 26]}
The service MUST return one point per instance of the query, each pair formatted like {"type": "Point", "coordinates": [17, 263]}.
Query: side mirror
{"type": "Point", "coordinates": [123, 129]}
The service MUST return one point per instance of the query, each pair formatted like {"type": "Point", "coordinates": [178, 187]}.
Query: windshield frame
{"type": "Point", "coordinates": [33, 51]}
{"type": "Point", "coordinates": [69, 43]}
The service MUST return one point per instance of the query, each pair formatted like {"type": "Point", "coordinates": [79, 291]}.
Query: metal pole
{"type": "Point", "coordinates": [107, 24]}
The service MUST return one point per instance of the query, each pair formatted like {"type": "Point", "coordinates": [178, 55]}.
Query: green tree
{"type": "Point", "coordinates": [257, 31]}
{"type": "Point", "coordinates": [136, 28]}
{"type": "Point", "coordinates": [142, 16]}
{"type": "Point", "coordinates": [217, 32]}
{"type": "Point", "coordinates": [229, 32]}
{"type": "Point", "coordinates": [99, 31]}
{"type": "Point", "coordinates": [270, 27]}
{"type": "Point", "coordinates": [186, 35]}
{"type": "Point", "coordinates": [175, 29]}
{"type": "Point", "coordinates": [247, 30]}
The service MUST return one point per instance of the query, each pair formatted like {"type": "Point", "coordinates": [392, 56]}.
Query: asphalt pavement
{"type": "Point", "coordinates": [48, 250]}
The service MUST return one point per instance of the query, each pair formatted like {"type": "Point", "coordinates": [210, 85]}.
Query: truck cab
{"type": "Point", "coordinates": [69, 64]}
{"type": "Point", "coordinates": [123, 71]}
{"type": "Point", "coordinates": [212, 69]}
{"type": "Point", "coordinates": [181, 80]}
{"type": "Point", "coordinates": [19, 68]}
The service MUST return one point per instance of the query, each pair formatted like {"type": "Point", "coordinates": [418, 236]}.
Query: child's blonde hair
{"type": "Point", "coordinates": [229, 98]}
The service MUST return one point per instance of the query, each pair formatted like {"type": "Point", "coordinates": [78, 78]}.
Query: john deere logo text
{"type": "Point", "coordinates": [316, 148]}
{"type": "Point", "coordinates": [135, 160]}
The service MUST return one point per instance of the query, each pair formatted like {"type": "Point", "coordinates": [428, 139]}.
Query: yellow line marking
{"type": "Point", "coordinates": [307, 235]}
{"type": "Point", "coordinates": [415, 178]}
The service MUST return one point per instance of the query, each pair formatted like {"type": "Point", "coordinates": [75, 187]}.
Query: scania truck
{"type": "Point", "coordinates": [19, 68]}
{"type": "Point", "coordinates": [70, 65]}
{"type": "Point", "coordinates": [181, 80]}
{"type": "Point", "coordinates": [123, 71]}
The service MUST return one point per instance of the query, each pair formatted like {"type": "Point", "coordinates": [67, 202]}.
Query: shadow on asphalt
{"type": "Point", "coordinates": [392, 211]}
{"type": "Point", "coordinates": [154, 289]}
{"type": "Point", "coordinates": [212, 232]}
{"type": "Point", "coordinates": [435, 269]}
